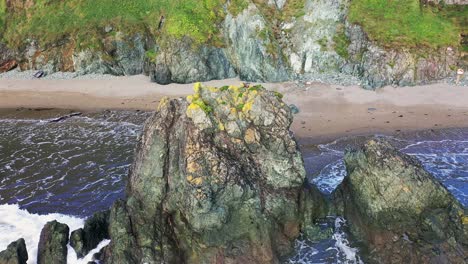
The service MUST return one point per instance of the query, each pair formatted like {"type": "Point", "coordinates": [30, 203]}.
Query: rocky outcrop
{"type": "Point", "coordinates": [254, 52]}
{"type": "Point", "coordinates": [95, 230]}
{"type": "Point", "coordinates": [7, 58]}
{"type": "Point", "coordinates": [52, 248]}
{"type": "Point", "coordinates": [378, 67]}
{"type": "Point", "coordinates": [446, 2]}
{"type": "Point", "coordinates": [399, 210]}
{"type": "Point", "coordinates": [217, 178]}
{"type": "Point", "coordinates": [310, 40]}
{"type": "Point", "coordinates": [182, 61]}
{"type": "Point", "coordinates": [15, 253]}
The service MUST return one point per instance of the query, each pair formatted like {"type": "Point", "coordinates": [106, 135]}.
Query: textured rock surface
{"type": "Point", "coordinates": [399, 210]}
{"type": "Point", "coordinates": [181, 62]}
{"type": "Point", "coordinates": [52, 248]}
{"type": "Point", "coordinates": [309, 39]}
{"type": "Point", "coordinates": [217, 178]}
{"type": "Point", "coordinates": [15, 253]}
{"type": "Point", "coordinates": [378, 67]}
{"type": "Point", "coordinates": [255, 58]}
{"type": "Point", "coordinates": [83, 240]}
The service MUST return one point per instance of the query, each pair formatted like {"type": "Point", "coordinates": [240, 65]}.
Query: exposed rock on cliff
{"type": "Point", "coordinates": [378, 67]}
{"type": "Point", "coordinates": [180, 61]}
{"type": "Point", "coordinates": [217, 178]}
{"type": "Point", "coordinates": [52, 248]}
{"type": "Point", "coordinates": [15, 253]}
{"type": "Point", "coordinates": [85, 239]}
{"type": "Point", "coordinates": [261, 40]}
{"type": "Point", "coordinates": [255, 54]}
{"type": "Point", "coordinates": [399, 210]}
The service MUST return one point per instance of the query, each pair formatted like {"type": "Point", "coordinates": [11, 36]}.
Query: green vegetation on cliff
{"type": "Point", "coordinates": [405, 23]}
{"type": "Point", "coordinates": [2, 13]}
{"type": "Point", "coordinates": [50, 21]}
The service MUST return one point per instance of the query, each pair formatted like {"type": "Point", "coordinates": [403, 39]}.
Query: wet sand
{"type": "Point", "coordinates": [326, 111]}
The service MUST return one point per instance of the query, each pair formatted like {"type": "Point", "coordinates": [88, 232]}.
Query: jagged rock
{"type": "Point", "coordinates": [378, 67]}
{"type": "Point", "coordinates": [7, 58]}
{"type": "Point", "coordinates": [52, 248]}
{"type": "Point", "coordinates": [315, 54]}
{"type": "Point", "coordinates": [180, 61]}
{"type": "Point", "coordinates": [399, 210]}
{"type": "Point", "coordinates": [15, 253]}
{"type": "Point", "coordinates": [254, 58]}
{"type": "Point", "coordinates": [95, 229]}
{"type": "Point", "coordinates": [217, 178]}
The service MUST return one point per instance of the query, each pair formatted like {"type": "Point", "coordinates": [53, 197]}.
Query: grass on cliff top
{"type": "Point", "coordinates": [2, 12]}
{"type": "Point", "coordinates": [49, 21]}
{"type": "Point", "coordinates": [404, 23]}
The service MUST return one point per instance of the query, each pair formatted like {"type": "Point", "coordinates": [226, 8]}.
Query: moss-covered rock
{"type": "Point", "coordinates": [15, 253]}
{"type": "Point", "coordinates": [217, 177]}
{"type": "Point", "coordinates": [52, 248]}
{"type": "Point", "coordinates": [400, 210]}
{"type": "Point", "coordinates": [95, 229]}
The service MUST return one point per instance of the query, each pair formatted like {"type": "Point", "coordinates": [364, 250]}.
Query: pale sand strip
{"type": "Point", "coordinates": [326, 111]}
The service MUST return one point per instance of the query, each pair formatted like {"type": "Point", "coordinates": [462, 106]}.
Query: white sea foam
{"type": "Point", "coordinates": [349, 253]}
{"type": "Point", "coordinates": [16, 223]}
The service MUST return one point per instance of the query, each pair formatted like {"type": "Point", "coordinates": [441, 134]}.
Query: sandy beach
{"type": "Point", "coordinates": [326, 111]}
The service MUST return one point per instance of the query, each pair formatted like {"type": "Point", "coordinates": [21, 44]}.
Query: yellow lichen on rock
{"type": "Point", "coordinates": [163, 102]}
{"type": "Point", "coordinates": [465, 220]}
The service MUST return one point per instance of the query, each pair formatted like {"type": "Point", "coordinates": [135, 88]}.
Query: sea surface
{"type": "Point", "coordinates": [70, 169]}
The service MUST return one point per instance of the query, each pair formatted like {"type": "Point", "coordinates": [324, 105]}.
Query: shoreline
{"type": "Point", "coordinates": [326, 111]}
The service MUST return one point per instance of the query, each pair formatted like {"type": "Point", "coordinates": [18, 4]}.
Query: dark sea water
{"type": "Point", "coordinates": [71, 169]}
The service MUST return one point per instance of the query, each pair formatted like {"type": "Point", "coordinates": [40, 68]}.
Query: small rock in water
{"type": "Point", "coordinates": [294, 109]}
{"type": "Point", "coordinates": [15, 253]}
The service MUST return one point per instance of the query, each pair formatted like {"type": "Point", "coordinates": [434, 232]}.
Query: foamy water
{"type": "Point", "coordinates": [337, 249]}
{"type": "Point", "coordinates": [16, 223]}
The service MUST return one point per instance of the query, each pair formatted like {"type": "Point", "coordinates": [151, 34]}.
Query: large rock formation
{"type": "Point", "coordinates": [217, 178]}
{"type": "Point", "coordinates": [52, 248]}
{"type": "Point", "coordinates": [399, 210]}
{"type": "Point", "coordinates": [15, 253]}
{"type": "Point", "coordinates": [95, 229]}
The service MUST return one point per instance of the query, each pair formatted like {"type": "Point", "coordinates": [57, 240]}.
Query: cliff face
{"type": "Point", "coordinates": [257, 40]}
{"type": "Point", "coordinates": [217, 178]}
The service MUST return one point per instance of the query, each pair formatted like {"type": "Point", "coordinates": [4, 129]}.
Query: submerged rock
{"type": "Point", "coordinates": [52, 248]}
{"type": "Point", "coordinates": [400, 210]}
{"type": "Point", "coordinates": [85, 239]}
{"type": "Point", "coordinates": [15, 253]}
{"type": "Point", "coordinates": [217, 178]}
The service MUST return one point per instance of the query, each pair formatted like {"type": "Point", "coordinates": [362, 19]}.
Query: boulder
{"type": "Point", "coordinates": [15, 253]}
{"type": "Point", "coordinates": [399, 210]}
{"type": "Point", "coordinates": [218, 178]}
{"type": "Point", "coordinates": [95, 229]}
{"type": "Point", "coordinates": [52, 248]}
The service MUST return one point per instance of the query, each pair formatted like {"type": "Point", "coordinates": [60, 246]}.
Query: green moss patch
{"type": "Point", "coordinates": [51, 21]}
{"type": "Point", "coordinates": [404, 23]}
